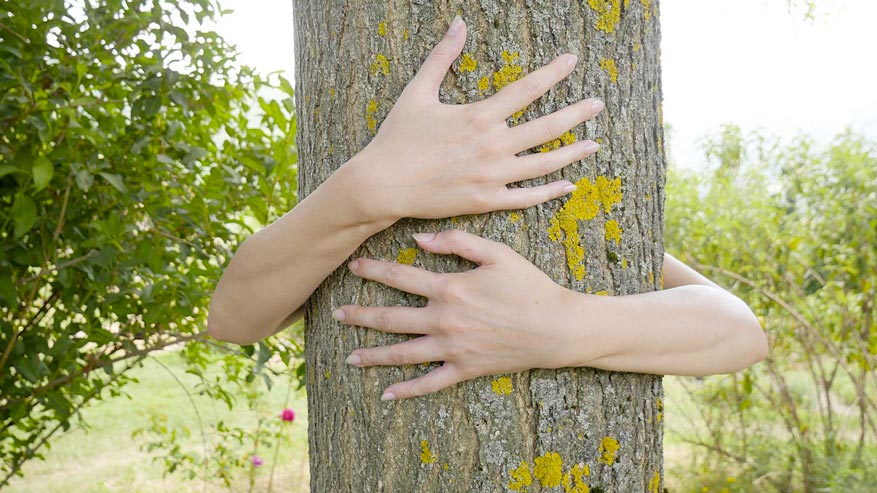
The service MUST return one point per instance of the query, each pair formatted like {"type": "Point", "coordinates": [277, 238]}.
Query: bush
{"type": "Point", "coordinates": [129, 169]}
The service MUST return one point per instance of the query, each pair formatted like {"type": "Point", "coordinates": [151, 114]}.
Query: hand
{"type": "Point", "coordinates": [431, 160]}
{"type": "Point", "coordinates": [489, 320]}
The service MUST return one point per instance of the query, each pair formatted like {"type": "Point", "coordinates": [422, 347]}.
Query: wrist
{"type": "Point", "coordinates": [367, 189]}
{"type": "Point", "coordinates": [583, 328]}
{"type": "Point", "coordinates": [355, 187]}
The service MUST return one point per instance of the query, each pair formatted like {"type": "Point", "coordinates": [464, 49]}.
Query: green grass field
{"type": "Point", "coordinates": [103, 457]}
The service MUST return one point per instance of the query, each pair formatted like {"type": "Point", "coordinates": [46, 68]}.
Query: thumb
{"type": "Point", "coordinates": [471, 247]}
{"type": "Point", "coordinates": [433, 70]}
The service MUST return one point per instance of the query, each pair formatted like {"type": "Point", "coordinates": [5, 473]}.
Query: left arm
{"type": "Point", "coordinates": [508, 316]}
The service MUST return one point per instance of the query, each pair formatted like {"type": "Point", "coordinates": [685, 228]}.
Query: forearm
{"type": "Point", "coordinates": [687, 330]}
{"type": "Point", "coordinates": [276, 269]}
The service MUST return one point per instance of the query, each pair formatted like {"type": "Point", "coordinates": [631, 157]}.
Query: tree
{"type": "Point", "coordinates": [570, 429]}
{"type": "Point", "coordinates": [128, 167]}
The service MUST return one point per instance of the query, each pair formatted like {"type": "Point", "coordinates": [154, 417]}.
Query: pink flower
{"type": "Point", "coordinates": [257, 461]}
{"type": "Point", "coordinates": [288, 415]}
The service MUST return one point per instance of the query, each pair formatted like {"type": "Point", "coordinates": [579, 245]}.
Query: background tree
{"type": "Point", "coordinates": [572, 429]}
{"type": "Point", "coordinates": [128, 168]}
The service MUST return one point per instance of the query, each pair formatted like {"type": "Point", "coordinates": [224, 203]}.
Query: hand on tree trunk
{"type": "Point", "coordinates": [433, 160]}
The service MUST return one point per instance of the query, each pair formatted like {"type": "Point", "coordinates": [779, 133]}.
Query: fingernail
{"type": "Point", "coordinates": [571, 60]}
{"type": "Point", "coordinates": [456, 24]}
{"type": "Point", "coordinates": [353, 265]}
{"type": "Point", "coordinates": [590, 147]}
{"type": "Point", "coordinates": [423, 236]}
{"type": "Point", "coordinates": [388, 396]}
{"type": "Point", "coordinates": [338, 314]}
{"type": "Point", "coordinates": [597, 105]}
{"type": "Point", "coordinates": [353, 359]}
{"type": "Point", "coordinates": [569, 188]}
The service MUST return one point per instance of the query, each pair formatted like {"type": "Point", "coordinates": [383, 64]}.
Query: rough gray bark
{"type": "Point", "coordinates": [547, 430]}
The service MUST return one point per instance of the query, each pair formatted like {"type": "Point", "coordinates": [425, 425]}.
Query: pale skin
{"type": "Point", "coordinates": [503, 316]}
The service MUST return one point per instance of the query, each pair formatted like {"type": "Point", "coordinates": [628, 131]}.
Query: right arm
{"type": "Point", "coordinates": [428, 160]}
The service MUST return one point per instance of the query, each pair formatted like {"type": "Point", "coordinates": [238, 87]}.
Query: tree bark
{"type": "Point", "coordinates": [573, 430]}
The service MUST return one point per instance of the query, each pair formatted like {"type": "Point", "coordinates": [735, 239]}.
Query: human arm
{"type": "Point", "coordinates": [458, 159]}
{"type": "Point", "coordinates": [508, 316]}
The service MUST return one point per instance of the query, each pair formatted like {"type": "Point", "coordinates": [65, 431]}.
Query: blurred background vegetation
{"type": "Point", "coordinates": [134, 156]}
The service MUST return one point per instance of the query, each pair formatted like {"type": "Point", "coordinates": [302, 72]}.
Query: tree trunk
{"type": "Point", "coordinates": [567, 430]}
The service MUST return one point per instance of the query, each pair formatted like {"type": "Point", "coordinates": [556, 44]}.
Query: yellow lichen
{"type": "Point", "coordinates": [602, 293]}
{"type": "Point", "coordinates": [406, 256]}
{"type": "Point", "coordinates": [608, 65]}
{"type": "Point", "coordinates": [566, 139]}
{"type": "Point", "coordinates": [382, 28]}
{"type": "Point", "coordinates": [585, 203]}
{"type": "Point", "coordinates": [405, 35]}
{"type": "Point", "coordinates": [446, 466]}
{"type": "Point", "coordinates": [660, 415]}
{"type": "Point", "coordinates": [370, 110]}
{"type": "Point", "coordinates": [331, 92]}
{"type": "Point", "coordinates": [509, 72]}
{"type": "Point", "coordinates": [651, 277]}
{"type": "Point", "coordinates": [574, 480]}
{"type": "Point", "coordinates": [608, 447]}
{"type": "Point", "coordinates": [548, 469]}
{"type": "Point", "coordinates": [327, 374]}
{"type": "Point", "coordinates": [426, 455]}
{"type": "Point", "coordinates": [613, 231]}
{"type": "Point", "coordinates": [608, 14]}
{"type": "Point", "coordinates": [647, 4]}
{"type": "Point", "coordinates": [381, 64]}
{"type": "Point", "coordinates": [514, 217]}
{"type": "Point", "coordinates": [483, 84]}
{"type": "Point", "coordinates": [501, 386]}
{"type": "Point", "coordinates": [520, 477]}
{"type": "Point", "coordinates": [637, 46]}
{"type": "Point", "coordinates": [655, 483]}
{"type": "Point", "coordinates": [623, 263]}
{"type": "Point", "coordinates": [467, 63]}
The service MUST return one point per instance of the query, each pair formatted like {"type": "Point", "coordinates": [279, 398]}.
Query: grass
{"type": "Point", "coordinates": [103, 457]}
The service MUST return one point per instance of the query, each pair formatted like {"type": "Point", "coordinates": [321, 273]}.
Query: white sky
{"type": "Point", "coordinates": [748, 62]}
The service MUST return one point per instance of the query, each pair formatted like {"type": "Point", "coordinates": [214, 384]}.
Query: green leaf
{"type": "Point", "coordinates": [8, 169]}
{"type": "Point", "coordinates": [115, 180]}
{"type": "Point", "coordinates": [24, 215]}
{"type": "Point", "coordinates": [84, 180]}
{"type": "Point", "coordinates": [42, 173]}
{"type": "Point", "coordinates": [8, 293]}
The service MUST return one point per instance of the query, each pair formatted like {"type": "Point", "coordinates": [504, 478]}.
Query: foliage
{"type": "Point", "coordinates": [791, 229]}
{"type": "Point", "coordinates": [129, 169]}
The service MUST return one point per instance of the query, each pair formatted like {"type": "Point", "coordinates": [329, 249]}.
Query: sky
{"type": "Point", "coordinates": [748, 62]}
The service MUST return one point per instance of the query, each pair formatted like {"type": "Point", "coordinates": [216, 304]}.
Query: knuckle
{"type": "Point", "coordinates": [552, 126]}
{"type": "Point", "coordinates": [440, 53]}
{"type": "Point", "coordinates": [395, 273]}
{"type": "Point", "coordinates": [400, 356]}
{"type": "Point", "coordinates": [426, 386]}
{"type": "Point", "coordinates": [531, 87]}
{"type": "Point", "coordinates": [546, 165]}
{"type": "Point", "coordinates": [385, 319]}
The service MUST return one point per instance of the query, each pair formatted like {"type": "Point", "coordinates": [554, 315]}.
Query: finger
{"type": "Point", "coordinates": [471, 247]}
{"type": "Point", "coordinates": [396, 319]}
{"type": "Point", "coordinates": [522, 198]}
{"type": "Point", "coordinates": [522, 92]}
{"type": "Point", "coordinates": [433, 70]}
{"type": "Point", "coordinates": [419, 350]}
{"type": "Point", "coordinates": [543, 163]}
{"type": "Point", "coordinates": [400, 276]}
{"type": "Point", "coordinates": [440, 378]}
{"type": "Point", "coordinates": [550, 127]}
